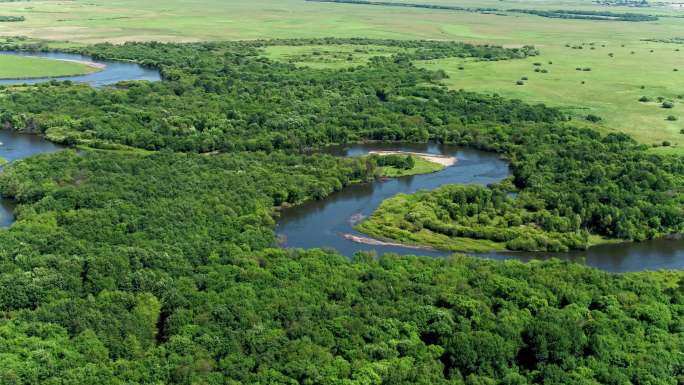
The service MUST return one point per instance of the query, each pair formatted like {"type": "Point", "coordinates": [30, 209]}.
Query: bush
{"type": "Point", "coordinates": [666, 143]}
{"type": "Point", "coordinates": [523, 78]}
{"type": "Point", "coordinates": [520, 83]}
{"type": "Point", "coordinates": [672, 118]}
{"type": "Point", "coordinates": [586, 69]}
{"type": "Point", "coordinates": [668, 104]}
{"type": "Point", "coordinates": [644, 99]}
{"type": "Point", "coordinates": [593, 118]}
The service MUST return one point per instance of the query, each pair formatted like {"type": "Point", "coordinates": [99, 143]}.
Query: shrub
{"type": "Point", "coordinates": [523, 78]}
{"type": "Point", "coordinates": [671, 118]}
{"type": "Point", "coordinates": [644, 99]}
{"type": "Point", "coordinates": [520, 83]}
{"type": "Point", "coordinates": [593, 118]}
{"type": "Point", "coordinates": [544, 71]}
{"type": "Point", "coordinates": [586, 69]}
{"type": "Point", "coordinates": [666, 143]}
{"type": "Point", "coordinates": [668, 104]}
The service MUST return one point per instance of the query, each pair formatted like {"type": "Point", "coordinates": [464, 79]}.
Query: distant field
{"type": "Point", "coordinates": [19, 67]}
{"type": "Point", "coordinates": [611, 90]}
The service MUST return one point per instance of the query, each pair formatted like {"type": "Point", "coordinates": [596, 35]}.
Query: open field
{"type": "Point", "coordinates": [611, 90]}
{"type": "Point", "coordinates": [422, 166]}
{"type": "Point", "coordinates": [19, 67]}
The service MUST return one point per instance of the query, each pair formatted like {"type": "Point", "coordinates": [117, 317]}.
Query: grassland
{"type": "Point", "coordinates": [21, 67]}
{"type": "Point", "coordinates": [421, 166]}
{"type": "Point", "coordinates": [611, 90]}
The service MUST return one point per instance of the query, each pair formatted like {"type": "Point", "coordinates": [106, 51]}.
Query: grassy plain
{"type": "Point", "coordinates": [20, 67]}
{"type": "Point", "coordinates": [611, 90]}
{"type": "Point", "coordinates": [421, 166]}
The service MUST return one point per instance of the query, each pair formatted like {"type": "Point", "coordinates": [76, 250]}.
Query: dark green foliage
{"type": "Point", "coordinates": [404, 162]}
{"type": "Point", "coordinates": [10, 19]}
{"type": "Point", "coordinates": [593, 118]}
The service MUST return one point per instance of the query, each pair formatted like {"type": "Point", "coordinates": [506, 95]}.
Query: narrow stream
{"type": "Point", "coordinates": [322, 223]}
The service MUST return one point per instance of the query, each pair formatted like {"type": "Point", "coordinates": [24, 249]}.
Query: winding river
{"type": "Point", "coordinates": [16, 146]}
{"type": "Point", "coordinates": [322, 223]}
{"type": "Point", "coordinates": [112, 72]}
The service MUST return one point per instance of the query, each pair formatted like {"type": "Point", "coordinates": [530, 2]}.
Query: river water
{"type": "Point", "coordinates": [322, 223]}
{"type": "Point", "coordinates": [113, 72]}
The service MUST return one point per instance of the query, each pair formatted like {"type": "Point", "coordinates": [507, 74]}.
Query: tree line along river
{"type": "Point", "coordinates": [324, 223]}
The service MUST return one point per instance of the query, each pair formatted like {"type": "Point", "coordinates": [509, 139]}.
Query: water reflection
{"type": "Point", "coordinates": [114, 72]}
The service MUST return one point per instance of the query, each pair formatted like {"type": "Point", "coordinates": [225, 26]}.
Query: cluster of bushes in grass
{"type": "Point", "coordinates": [10, 19]}
{"type": "Point", "coordinates": [403, 162]}
{"type": "Point", "coordinates": [480, 213]}
{"type": "Point", "coordinates": [127, 267]}
{"type": "Point", "coordinates": [589, 15]}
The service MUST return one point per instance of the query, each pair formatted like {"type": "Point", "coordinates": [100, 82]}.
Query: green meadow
{"type": "Point", "coordinates": [611, 89]}
{"type": "Point", "coordinates": [20, 67]}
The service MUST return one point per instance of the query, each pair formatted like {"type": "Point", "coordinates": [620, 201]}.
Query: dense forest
{"type": "Point", "coordinates": [147, 256]}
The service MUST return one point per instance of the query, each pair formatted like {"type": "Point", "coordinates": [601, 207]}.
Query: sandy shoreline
{"type": "Point", "coordinates": [99, 66]}
{"type": "Point", "coordinates": [377, 242]}
{"type": "Point", "coordinates": [445, 161]}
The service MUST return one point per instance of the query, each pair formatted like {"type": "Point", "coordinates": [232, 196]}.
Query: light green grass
{"type": "Point", "coordinates": [385, 223]}
{"type": "Point", "coordinates": [611, 89]}
{"type": "Point", "coordinates": [421, 166]}
{"type": "Point", "coordinates": [21, 67]}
